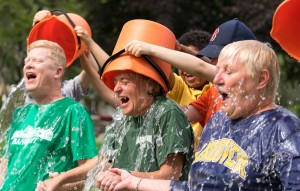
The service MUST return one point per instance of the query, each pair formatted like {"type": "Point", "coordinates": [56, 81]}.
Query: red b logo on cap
{"type": "Point", "coordinates": [214, 35]}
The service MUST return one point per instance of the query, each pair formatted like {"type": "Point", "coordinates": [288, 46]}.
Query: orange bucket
{"type": "Point", "coordinates": [146, 31]}
{"type": "Point", "coordinates": [60, 29]}
{"type": "Point", "coordinates": [285, 27]}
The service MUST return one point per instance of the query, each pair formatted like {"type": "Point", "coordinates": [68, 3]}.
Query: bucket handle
{"type": "Point", "coordinates": [70, 21]}
{"type": "Point", "coordinates": [147, 58]}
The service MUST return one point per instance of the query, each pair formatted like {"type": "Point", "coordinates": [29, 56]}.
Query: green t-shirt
{"type": "Point", "coordinates": [47, 138]}
{"type": "Point", "coordinates": [143, 143]}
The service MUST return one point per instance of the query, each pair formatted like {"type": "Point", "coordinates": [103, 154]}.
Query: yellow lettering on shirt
{"type": "Point", "coordinates": [225, 152]}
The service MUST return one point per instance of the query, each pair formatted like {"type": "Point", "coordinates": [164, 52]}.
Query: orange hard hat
{"type": "Point", "coordinates": [286, 28]}
{"type": "Point", "coordinates": [60, 29]}
{"type": "Point", "coordinates": [146, 31]}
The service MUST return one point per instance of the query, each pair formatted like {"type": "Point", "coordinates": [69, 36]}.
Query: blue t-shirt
{"type": "Point", "coordinates": [261, 152]}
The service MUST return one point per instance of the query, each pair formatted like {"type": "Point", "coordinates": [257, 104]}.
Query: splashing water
{"type": "Point", "coordinates": [104, 160]}
{"type": "Point", "coordinates": [117, 136]}
{"type": "Point", "coordinates": [15, 99]}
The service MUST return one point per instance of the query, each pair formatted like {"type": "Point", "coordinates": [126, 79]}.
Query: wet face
{"type": "Point", "coordinates": [39, 72]}
{"type": "Point", "coordinates": [237, 89]}
{"type": "Point", "coordinates": [131, 90]}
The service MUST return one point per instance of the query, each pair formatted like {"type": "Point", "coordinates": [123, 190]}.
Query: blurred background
{"type": "Point", "coordinates": [106, 18]}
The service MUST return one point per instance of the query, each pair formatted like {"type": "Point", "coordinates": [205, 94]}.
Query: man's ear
{"type": "Point", "coordinates": [263, 79]}
{"type": "Point", "coordinates": [59, 73]}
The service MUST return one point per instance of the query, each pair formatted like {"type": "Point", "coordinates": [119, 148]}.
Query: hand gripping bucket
{"type": "Point", "coordinates": [286, 27]}
{"type": "Point", "coordinates": [146, 31]}
{"type": "Point", "coordinates": [60, 29]}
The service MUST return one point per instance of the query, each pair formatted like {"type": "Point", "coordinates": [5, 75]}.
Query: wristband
{"type": "Point", "coordinates": [138, 184]}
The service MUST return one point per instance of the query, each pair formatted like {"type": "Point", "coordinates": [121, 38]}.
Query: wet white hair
{"type": "Point", "coordinates": [255, 56]}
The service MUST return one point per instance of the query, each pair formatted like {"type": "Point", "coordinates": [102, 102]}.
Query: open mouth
{"type": "Point", "coordinates": [223, 95]}
{"type": "Point", "coordinates": [124, 100]}
{"type": "Point", "coordinates": [188, 75]}
{"type": "Point", "coordinates": [30, 75]}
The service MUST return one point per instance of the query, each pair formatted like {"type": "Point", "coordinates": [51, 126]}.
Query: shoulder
{"type": "Point", "coordinates": [285, 121]}
{"type": "Point", "coordinates": [165, 103]}
{"type": "Point", "coordinates": [166, 108]}
{"type": "Point", "coordinates": [69, 82]}
{"type": "Point", "coordinates": [70, 105]}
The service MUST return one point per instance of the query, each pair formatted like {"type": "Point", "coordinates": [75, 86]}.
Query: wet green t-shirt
{"type": "Point", "coordinates": [47, 138]}
{"type": "Point", "coordinates": [143, 143]}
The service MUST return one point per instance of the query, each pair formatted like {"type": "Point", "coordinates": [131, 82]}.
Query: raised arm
{"type": "Point", "coordinates": [100, 55]}
{"type": "Point", "coordinates": [180, 60]}
{"type": "Point", "coordinates": [40, 15]}
{"type": "Point", "coordinates": [103, 91]}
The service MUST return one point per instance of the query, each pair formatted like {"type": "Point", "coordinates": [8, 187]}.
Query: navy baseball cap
{"type": "Point", "coordinates": [228, 32]}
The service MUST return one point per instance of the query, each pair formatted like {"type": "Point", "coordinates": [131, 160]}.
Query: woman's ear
{"type": "Point", "coordinates": [263, 79]}
{"type": "Point", "coordinates": [149, 89]}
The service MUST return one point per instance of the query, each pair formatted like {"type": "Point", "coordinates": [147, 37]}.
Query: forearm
{"type": "Point", "coordinates": [77, 174]}
{"type": "Point", "coordinates": [3, 169]}
{"type": "Point", "coordinates": [153, 175]}
{"type": "Point", "coordinates": [186, 62]}
{"type": "Point", "coordinates": [84, 81]}
{"type": "Point", "coordinates": [75, 186]}
{"type": "Point", "coordinates": [170, 169]}
{"type": "Point", "coordinates": [193, 114]}
{"type": "Point", "coordinates": [100, 55]}
{"type": "Point", "coordinates": [103, 91]}
{"type": "Point", "coordinates": [182, 48]}
{"type": "Point", "coordinates": [149, 184]}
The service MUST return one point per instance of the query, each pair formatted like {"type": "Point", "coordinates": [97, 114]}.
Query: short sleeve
{"type": "Point", "coordinates": [73, 89]}
{"type": "Point", "coordinates": [288, 153]}
{"type": "Point", "coordinates": [174, 125]}
{"type": "Point", "coordinates": [83, 143]}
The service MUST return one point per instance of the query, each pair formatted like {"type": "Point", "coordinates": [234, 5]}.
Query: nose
{"type": "Point", "coordinates": [117, 87]}
{"type": "Point", "coordinates": [28, 64]}
{"type": "Point", "coordinates": [218, 79]}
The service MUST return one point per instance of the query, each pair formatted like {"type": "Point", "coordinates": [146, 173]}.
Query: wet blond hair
{"type": "Point", "coordinates": [56, 53]}
{"type": "Point", "coordinates": [255, 56]}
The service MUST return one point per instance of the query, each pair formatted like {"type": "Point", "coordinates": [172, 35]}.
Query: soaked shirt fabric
{"type": "Point", "coordinates": [47, 138]}
{"type": "Point", "coordinates": [143, 143]}
{"type": "Point", "coordinates": [182, 94]}
{"type": "Point", "coordinates": [261, 152]}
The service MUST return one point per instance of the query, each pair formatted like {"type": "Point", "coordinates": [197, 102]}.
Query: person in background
{"type": "Point", "coordinates": [209, 102]}
{"type": "Point", "coordinates": [53, 134]}
{"type": "Point", "coordinates": [256, 144]}
{"type": "Point", "coordinates": [187, 88]}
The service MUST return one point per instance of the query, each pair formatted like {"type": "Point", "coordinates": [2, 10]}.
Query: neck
{"type": "Point", "coordinates": [262, 107]}
{"type": "Point", "coordinates": [47, 99]}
